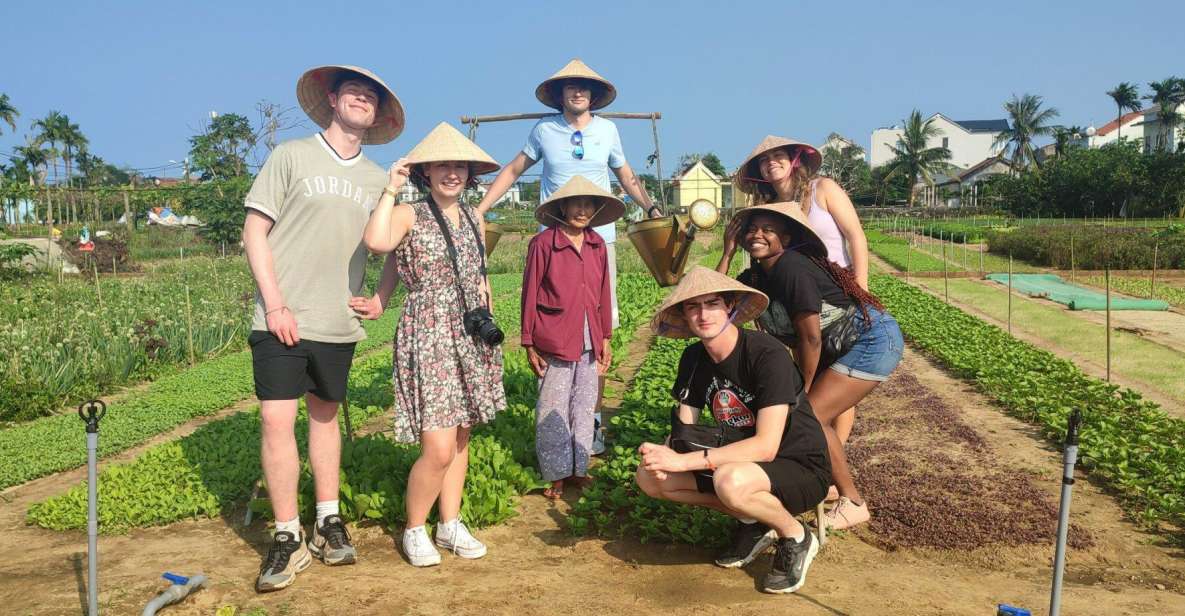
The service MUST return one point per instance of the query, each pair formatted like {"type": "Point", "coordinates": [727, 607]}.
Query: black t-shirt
{"type": "Point", "coordinates": [759, 373]}
{"type": "Point", "coordinates": [795, 285]}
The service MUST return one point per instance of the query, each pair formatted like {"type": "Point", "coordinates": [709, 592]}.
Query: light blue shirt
{"type": "Point", "coordinates": [550, 142]}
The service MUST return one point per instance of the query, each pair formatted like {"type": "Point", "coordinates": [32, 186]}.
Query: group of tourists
{"type": "Point", "coordinates": [783, 395]}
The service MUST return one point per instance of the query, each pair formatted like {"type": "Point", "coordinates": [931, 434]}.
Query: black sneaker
{"type": "Point", "coordinates": [287, 557]}
{"type": "Point", "coordinates": [331, 542]}
{"type": "Point", "coordinates": [791, 560]}
{"type": "Point", "coordinates": [748, 541]}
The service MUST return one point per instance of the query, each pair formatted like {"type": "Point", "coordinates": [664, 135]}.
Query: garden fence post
{"type": "Point", "coordinates": [1071, 257]}
{"type": "Point", "coordinates": [908, 255]}
{"type": "Point", "coordinates": [1107, 279]}
{"type": "Point", "coordinates": [1009, 293]}
{"type": "Point", "coordinates": [945, 275]}
{"type": "Point", "coordinates": [1152, 283]}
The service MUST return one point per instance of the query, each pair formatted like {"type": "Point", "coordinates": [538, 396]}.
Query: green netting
{"type": "Point", "coordinates": [1051, 286]}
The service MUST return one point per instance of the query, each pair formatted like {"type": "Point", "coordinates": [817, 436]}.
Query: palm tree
{"type": "Point", "coordinates": [1029, 121]}
{"type": "Point", "coordinates": [73, 141]}
{"type": "Point", "coordinates": [8, 113]}
{"type": "Point", "coordinates": [31, 156]}
{"type": "Point", "coordinates": [1168, 95]}
{"type": "Point", "coordinates": [913, 158]}
{"type": "Point", "coordinates": [52, 128]}
{"type": "Point", "coordinates": [1126, 96]}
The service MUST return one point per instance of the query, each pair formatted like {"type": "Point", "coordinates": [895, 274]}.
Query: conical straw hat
{"type": "Point", "coordinates": [609, 209]}
{"type": "Point", "coordinates": [748, 174]}
{"type": "Point", "coordinates": [575, 70]}
{"type": "Point", "coordinates": [446, 143]}
{"type": "Point", "coordinates": [809, 244]}
{"type": "Point", "coordinates": [669, 321]}
{"type": "Point", "coordinates": [313, 93]}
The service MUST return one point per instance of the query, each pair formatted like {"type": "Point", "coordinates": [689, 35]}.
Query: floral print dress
{"type": "Point", "coordinates": [443, 376]}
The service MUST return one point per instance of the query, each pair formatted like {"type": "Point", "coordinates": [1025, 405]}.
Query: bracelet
{"type": "Point", "coordinates": [274, 310]}
{"type": "Point", "coordinates": [711, 466]}
{"type": "Point", "coordinates": [387, 190]}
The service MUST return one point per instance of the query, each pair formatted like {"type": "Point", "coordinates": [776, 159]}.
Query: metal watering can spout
{"type": "Point", "coordinates": [664, 243]}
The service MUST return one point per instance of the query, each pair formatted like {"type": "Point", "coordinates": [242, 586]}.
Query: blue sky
{"type": "Point", "coordinates": [141, 77]}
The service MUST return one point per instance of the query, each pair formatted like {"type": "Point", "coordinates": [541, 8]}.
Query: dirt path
{"type": "Point", "coordinates": [534, 566]}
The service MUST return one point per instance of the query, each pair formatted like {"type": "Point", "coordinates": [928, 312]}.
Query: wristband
{"type": "Point", "coordinates": [708, 460]}
{"type": "Point", "coordinates": [274, 310]}
{"type": "Point", "coordinates": [387, 190]}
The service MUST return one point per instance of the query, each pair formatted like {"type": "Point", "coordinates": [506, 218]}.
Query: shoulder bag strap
{"type": "Point", "coordinates": [452, 250]}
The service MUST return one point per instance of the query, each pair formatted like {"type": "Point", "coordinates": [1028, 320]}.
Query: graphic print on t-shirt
{"type": "Point", "coordinates": [730, 404]}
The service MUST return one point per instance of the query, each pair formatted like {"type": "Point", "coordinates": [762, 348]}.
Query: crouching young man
{"type": "Point", "coordinates": [776, 466]}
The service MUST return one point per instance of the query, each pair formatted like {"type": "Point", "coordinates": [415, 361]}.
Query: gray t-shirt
{"type": "Point", "coordinates": [319, 203]}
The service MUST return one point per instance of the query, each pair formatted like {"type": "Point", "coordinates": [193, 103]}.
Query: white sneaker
{"type": "Point", "coordinates": [417, 545]}
{"type": "Point", "coordinates": [454, 537]}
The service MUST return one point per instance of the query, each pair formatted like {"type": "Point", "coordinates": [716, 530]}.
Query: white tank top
{"type": "Point", "coordinates": [823, 224]}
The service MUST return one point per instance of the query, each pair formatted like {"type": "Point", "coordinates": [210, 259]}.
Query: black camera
{"type": "Point", "coordinates": [480, 322]}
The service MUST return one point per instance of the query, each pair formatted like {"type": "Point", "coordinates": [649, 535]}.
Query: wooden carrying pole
{"type": "Point", "coordinates": [654, 117]}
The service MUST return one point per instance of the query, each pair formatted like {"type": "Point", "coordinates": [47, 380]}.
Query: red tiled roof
{"type": "Point", "coordinates": [1112, 125]}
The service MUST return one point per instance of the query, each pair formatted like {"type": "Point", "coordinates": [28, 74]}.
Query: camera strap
{"type": "Point", "coordinates": [452, 250]}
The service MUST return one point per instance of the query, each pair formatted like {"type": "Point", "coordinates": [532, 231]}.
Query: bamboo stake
{"type": "Point", "coordinates": [1071, 257]}
{"type": "Point", "coordinates": [98, 289]}
{"type": "Point", "coordinates": [945, 275]}
{"type": "Point", "coordinates": [1152, 285]}
{"type": "Point", "coordinates": [1107, 278]}
{"type": "Point", "coordinates": [189, 323]}
{"type": "Point", "coordinates": [908, 257]}
{"type": "Point", "coordinates": [1009, 294]}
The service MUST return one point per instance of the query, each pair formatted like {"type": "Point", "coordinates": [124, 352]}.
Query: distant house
{"type": "Point", "coordinates": [698, 182]}
{"type": "Point", "coordinates": [1156, 135]}
{"type": "Point", "coordinates": [961, 188]}
{"type": "Point", "coordinates": [969, 141]}
{"type": "Point", "coordinates": [514, 195]}
{"type": "Point", "coordinates": [837, 142]}
{"type": "Point", "coordinates": [1129, 126]}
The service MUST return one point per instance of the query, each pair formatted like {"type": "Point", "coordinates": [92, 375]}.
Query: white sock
{"type": "Point", "coordinates": [747, 520]}
{"type": "Point", "coordinates": [291, 526]}
{"type": "Point", "coordinates": [799, 536]}
{"type": "Point", "coordinates": [324, 510]}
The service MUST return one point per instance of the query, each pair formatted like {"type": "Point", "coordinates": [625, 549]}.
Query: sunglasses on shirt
{"type": "Point", "coordinates": [578, 141]}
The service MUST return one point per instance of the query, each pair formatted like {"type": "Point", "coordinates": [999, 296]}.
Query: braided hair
{"type": "Point", "coordinates": [843, 277]}
{"type": "Point", "coordinates": [846, 280]}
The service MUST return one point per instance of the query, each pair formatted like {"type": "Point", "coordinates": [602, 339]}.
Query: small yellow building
{"type": "Point", "coordinates": [698, 182]}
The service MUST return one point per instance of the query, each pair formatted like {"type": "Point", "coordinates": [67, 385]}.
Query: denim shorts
{"type": "Point", "coordinates": [876, 352]}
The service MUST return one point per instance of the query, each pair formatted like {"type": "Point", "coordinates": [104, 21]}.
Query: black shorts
{"type": "Point", "coordinates": [287, 373]}
{"type": "Point", "coordinates": [797, 486]}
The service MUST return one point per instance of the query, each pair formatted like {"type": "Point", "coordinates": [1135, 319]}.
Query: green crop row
{"type": "Point", "coordinates": [1141, 287]}
{"type": "Point", "coordinates": [1126, 441]}
{"type": "Point", "coordinates": [205, 473]}
{"type": "Point", "coordinates": [56, 443]}
{"type": "Point", "coordinates": [897, 252]}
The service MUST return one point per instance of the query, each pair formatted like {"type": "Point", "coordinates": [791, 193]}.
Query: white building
{"type": "Point", "coordinates": [512, 196]}
{"type": "Point", "coordinates": [1156, 134]}
{"type": "Point", "coordinates": [1129, 126]}
{"type": "Point", "coordinates": [960, 188]}
{"type": "Point", "coordinates": [969, 141]}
